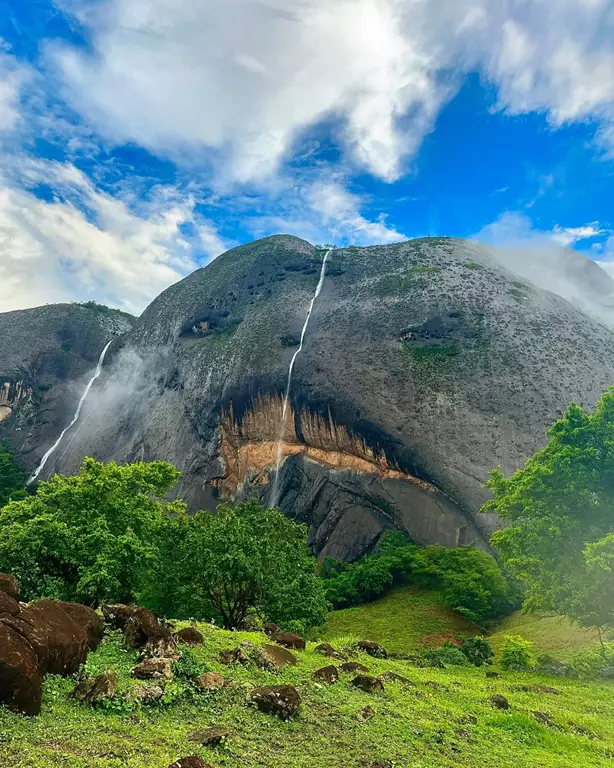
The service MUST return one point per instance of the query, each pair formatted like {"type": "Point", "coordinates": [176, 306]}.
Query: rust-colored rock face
{"type": "Point", "coordinates": [289, 640]}
{"type": "Point", "coordinates": [20, 678]}
{"type": "Point", "coordinates": [189, 636]}
{"type": "Point", "coordinates": [88, 619]}
{"type": "Point", "coordinates": [280, 700]}
{"type": "Point", "coordinates": [8, 606]}
{"type": "Point", "coordinates": [8, 585]}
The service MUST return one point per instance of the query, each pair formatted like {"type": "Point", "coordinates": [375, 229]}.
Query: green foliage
{"type": "Point", "coordinates": [559, 537]}
{"type": "Point", "coordinates": [13, 476]}
{"type": "Point", "coordinates": [474, 265]}
{"type": "Point", "coordinates": [91, 537]}
{"type": "Point", "coordinates": [516, 653]}
{"type": "Point", "coordinates": [447, 654]}
{"type": "Point", "coordinates": [244, 558]}
{"type": "Point", "coordinates": [189, 665]}
{"type": "Point", "coordinates": [478, 651]}
{"type": "Point", "coordinates": [595, 662]}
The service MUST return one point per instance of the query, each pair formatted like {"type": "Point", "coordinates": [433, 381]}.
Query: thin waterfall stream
{"type": "Point", "coordinates": [274, 500]}
{"type": "Point", "coordinates": [75, 419]}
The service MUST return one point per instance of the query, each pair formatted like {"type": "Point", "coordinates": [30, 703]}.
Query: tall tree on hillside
{"type": "Point", "coordinates": [559, 510]}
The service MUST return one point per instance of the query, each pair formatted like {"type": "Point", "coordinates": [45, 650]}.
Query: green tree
{"type": "Point", "coordinates": [516, 653]}
{"type": "Point", "coordinates": [13, 476]}
{"type": "Point", "coordinates": [92, 537]}
{"type": "Point", "coordinates": [244, 559]}
{"type": "Point", "coordinates": [559, 510]}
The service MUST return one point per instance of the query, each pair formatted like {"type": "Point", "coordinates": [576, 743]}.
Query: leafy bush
{"type": "Point", "coordinates": [478, 651]}
{"type": "Point", "coordinates": [188, 665]}
{"type": "Point", "coordinates": [448, 654]}
{"type": "Point", "coordinates": [516, 653]}
{"type": "Point", "coordinates": [13, 476]}
{"type": "Point", "coordinates": [595, 662]}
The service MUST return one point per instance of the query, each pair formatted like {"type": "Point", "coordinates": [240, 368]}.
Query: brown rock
{"type": "Point", "coordinates": [160, 648]}
{"type": "Point", "coordinates": [288, 640]}
{"type": "Point", "coordinates": [144, 626]}
{"type": "Point", "coordinates": [8, 585]}
{"type": "Point", "coordinates": [544, 718]}
{"type": "Point", "coordinates": [353, 666]}
{"type": "Point", "coordinates": [88, 619]}
{"type": "Point", "coordinates": [210, 681]}
{"type": "Point", "coordinates": [365, 714]}
{"type": "Point", "coordinates": [373, 649]}
{"type": "Point", "coordinates": [234, 656]}
{"type": "Point", "coordinates": [394, 678]}
{"type": "Point", "coordinates": [491, 674]}
{"type": "Point", "coordinates": [328, 675]}
{"type": "Point", "coordinates": [280, 700]}
{"type": "Point", "coordinates": [326, 649]}
{"type": "Point", "coordinates": [499, 701]}
{"type": "Point", "coordinates": [274, 658]}
{"type": "Point", "coordinates": [8, 605]}
{"type": "Point", "coordinates": [190, 762]}
{"type": "Point", "coordinates": [190, 636]}
{"type": "Point", "coordinates": [117, 615]}
{"type": "Point", "coordinates": [209, 736]}
{"type": "Point", "coordinates": [59, 642]}
{"type": "Point", "coordinates": [146, 693]}
{"type": "Point", "coordinates": [368, 683]}
{"type": "Point", "coordinates": [93, 690]}
{"type": "Point", "coordinates": [20, 678]}
{"type": "Point", "coordinates": [153, 669]}
{"type": "Point", "coordinates": [536, 689]}
{"type": "Point", "coordinates": [270, 628]}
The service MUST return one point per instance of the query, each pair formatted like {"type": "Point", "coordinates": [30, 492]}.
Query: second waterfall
{"type": "Point", "coordinates": [274, 498]}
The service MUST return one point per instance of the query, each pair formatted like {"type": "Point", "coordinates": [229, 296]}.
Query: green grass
{"type": "Point", "coordinates": [426, 724]}
{"type": "Point", "coordinates": [474, 265]}
{"type": "Point", "coordinates": [404, 619]}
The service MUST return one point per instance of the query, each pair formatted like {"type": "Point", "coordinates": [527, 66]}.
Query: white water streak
{"type": "Point", "coordinates": [284, 413]}
{"type": "Point", "coordinates": [54, 447]}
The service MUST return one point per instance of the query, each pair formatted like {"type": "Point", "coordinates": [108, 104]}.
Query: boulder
{"type": "Point", "coordinates": [20, 677]}
{"type": "Point", "coordinates": [145, 693]}
{"type": "Point", "coordinates": [492, 675]}
{"type": "Point", "coordinates": [280, 700]}
{"type": "Point", "coordinates": [193, 761]}
{"type": "Point", "coordinates": [288, 640]}
{"type": "Point", "coordinates": [144, 626]}
{"type": "Point", "coordinates": [117, 615]}
{"type": "Point", "coordinates": [210, 681]}
{"type": "Point", "coordinates": [88, 619]}
{"type": "Point", "coordinates": [208, 736]}
{"type": "Point", "coordinates": [365, 714]}
{"type": "Point", "coordinates": [8, 605]}
{"type": "Point", "coordinates": [353, 667]}
{"type": "Point", "coordinates": [544, 718]}
{"type": "Point", "coordinates": [326, 649]}
{"type": "Point", "coordinates": [328, 675]}
{"type": "Point", "coordinates": [60, 643]}
{"type": "Point", "coordinates": [274, 658]}
{"type": "Point", "coordinates": [93, 690]}
{"type": "Point", "coordinates": [368, 683]}
{"type": "Point", "coordinates": [234, 656]}
{"type": "Point", "coordinates": [190, 636]}
{"type": "Point", "coordinates": [160, 648]}
{"type": "Point", "coordinates": [372, 648]}
{"type": "Point", "coordinates": [153, 669]}
{"type": "Point", "coordinates": [270, 628]}
{"type": "Point", "coordinates": [499, 701]}
{"type": "Point", "coordinates": [8, 585]}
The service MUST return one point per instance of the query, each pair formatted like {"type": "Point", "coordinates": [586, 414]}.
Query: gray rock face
{"type": "Point", "coordinates": [425, 364]}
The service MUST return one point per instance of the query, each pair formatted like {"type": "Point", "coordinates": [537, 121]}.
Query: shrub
{"type": "Point", "coordinates": [13, 476]}
{"type": "Point", "coordinates": [478, 651]}
{"type": "Point", "coordinates": [188, 665]}
{"type": "Point", "coordinates": [595, 662]}
{"type": "Point", "coordinates": [516, 653]}
{"type": "Point", "coordinates": [448, 654]}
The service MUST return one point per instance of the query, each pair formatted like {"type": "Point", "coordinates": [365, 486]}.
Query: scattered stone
{"type": "Point", "coordinates": [468, 718]}
{"type": "Point", "coordinates": [8, 605]}
{"type": "Point", "coordinates": [20, 677]}
{"type": "Point", "coordinates": [327, 650]}
{"type": "Point", "coordinates": [368, 683]}
{"type": "Point", "coordinates": [190, 762]}
{"type": "Point", "coordinates": [373, 649]}
{"type": "Point", "coordinates": [210, 681]}
{"type": "Point", "coordinates": [88, 619]}
{"type": "Point", "coordinates": [544, 718]}
{"type": "Point", "coordinates": [160, 648]}
{"type": "Point", "coordinates": [536, 689]}
{"type": "Point", "coordinates": [365, 714]}
{"type": "Point", "coordinates": [328, 675]}
{"type": "Point", "coordinates": [146, 693]}
{"type": "Point", "coordinates": [234, 656]}
{"type": "Point", "coordinates": [274, 658]}
{"type": "Point", "coordinates": [270, 629]}
{"type": "Point", "coordinates": [353, 666]}
{"type": "Point", "coordinates": [394, 678]}
{"type": "Point", "coordinates": [144, 626]}
{"type": "Point", "coordinates": [190, 636]}
{"type": "Point", "coordinates": [491, 674]}
{"type": "Point", "coordinates": [209, 736]}
{"type": "Point", "coordinates": [93, 690]}
{"type": "Point", "coordinates": [153, 669]}
{"type": "Point", "coordinates": [280, 700]}
{"type": "Point", "coordinates": [499, 701]}
{"type": "Point", "coordinates": [288, 640]}
{"type": "Point", "coordinates": [8, 585]}
{"type": "Point", "coordinates": [117, 615]}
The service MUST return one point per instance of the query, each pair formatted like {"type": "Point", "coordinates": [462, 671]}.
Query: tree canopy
{"type": "Point", "coordinates": [559, 511]}
{"type": "Point", "coordinates": [13, 476]}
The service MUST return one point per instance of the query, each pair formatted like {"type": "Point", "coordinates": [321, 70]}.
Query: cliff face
{"type": "Point", "coordinates": [425, 365]}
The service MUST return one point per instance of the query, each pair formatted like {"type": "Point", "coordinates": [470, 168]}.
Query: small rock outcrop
{"type": "Point", "coordinates": [368, 683]}
{"type": "Point", "coordinates": [328, 675]}
{"type": "Point", "coordinates": [372, 648]}
{"type": "Point", "coordinates": [353, 666]}
{"type": "Point", "coordinates": [93, 690]}
{"type": "Point", "coordinates": [270, 628]}
{"type": "Point", "coordinates": [365, 714]}
{"type": "Point", "coordinates": [117, 615]}
{"type": "Point", "coordinates": [142, 627]}
{"type": "Point", "coordinates": [153, 669]}
{"type": "Point", "coordinates": [193, 761]}
{"type": "Point", "coordinates": [88, 619]}
{"type": "Point", "coordinates": [393, 677]}
{"type": "Point", "coordinates": [326, 649]}
{"type": "Point", "coordinates": [146, 693]}
{"type": "Point", "coordinates": [210, 681]}
{"type": "Point", "coordinates": [8, 605]}
{"type": "Point", "coordinates": [274, 658]}
{"type": "Point", "coordinates": [280, 700]}
{"type": "Point", "coordinates": [8, 585]}
{"type": "Point", "coordinates": [20, 677]}
{"type": "Point", "coordinates": [289, 640]}
{"type": "Point", "coordinates": [189, 636]}
{"type": "Point", "coordinates": [208, 736]}
{"type": "Point", "coordinates": [499, 701]}
{"type": "Point", "coordinates": [233, 656]}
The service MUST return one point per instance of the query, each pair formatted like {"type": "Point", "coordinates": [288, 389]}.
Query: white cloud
{"type": "Point", "coordinates": [566, 236]}
{"type": "Point", "coordinates": [12, 77]}
{"type": "Point", "coordinates": [85, 244]}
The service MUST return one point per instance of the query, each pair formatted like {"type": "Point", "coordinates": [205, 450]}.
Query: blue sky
{"type": "Point", "coordinates": [140, 138]}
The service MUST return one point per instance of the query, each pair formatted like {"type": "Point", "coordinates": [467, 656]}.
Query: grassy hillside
{"type": "Point", "coordinates": [439, 719]}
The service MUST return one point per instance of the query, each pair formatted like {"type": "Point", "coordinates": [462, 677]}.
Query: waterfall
{"type": "Point", "coordinates": [54, 447]}
{"type": "Point", "coordinates": [284, 413]}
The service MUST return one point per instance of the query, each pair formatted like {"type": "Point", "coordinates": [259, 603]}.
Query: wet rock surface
{"type": "Point", "coordinates": [280, 700]}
